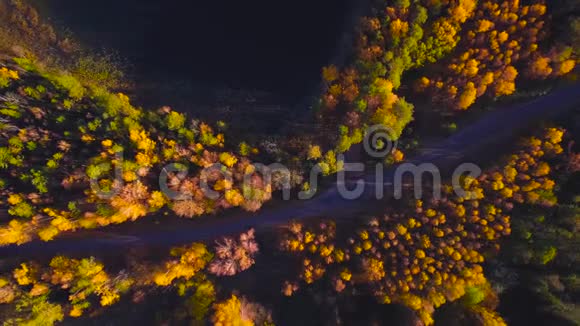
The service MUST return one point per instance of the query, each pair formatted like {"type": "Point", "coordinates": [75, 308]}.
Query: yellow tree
{"type": "Point", "coordinates": [189, 260]}
{"type": "Point", "coordinates": [229, 313]}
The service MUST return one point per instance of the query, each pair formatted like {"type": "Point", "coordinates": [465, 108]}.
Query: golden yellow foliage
{"type": "Point", "coordinates": [234, 197]}
{"type": "Point", "coordinates": [223, 184]}
{"type": "Point", "coordinates": [399, 27]}
{"type": "Point", "coordinates": [14, 199]}
{"type": "Point", "coordinates": [398, 156]}
{"type": "Point", "coordinates": [109, 297]}
{"type": "Point", "coordinates": [346, 275]}
{"type": "Point", "coordinates": [76, 311]}
{"type": "Point", "coordinates": [229, 313]}
{"type": "Point", "coordinates": [463, 10]}
{"type": "Point", "coordinates": [467, 98]}
{"type": "Point", "coordinates": [488, 317]}
{"type": "Point", "coordinates": [107, 143]}
{"type": "Point", "coordinates": [541, 67]}
{"type": "Point", "coordinates": [157, 200]}
{"type": "Point", "coordinates": [330, 73]}
{"type": "Point", "coordinates": [566, 67]}
{"type": "Point", "coordinates": [314, 152]}
{"type": "Point", "coordinates": [484, 25]}
{"type": "Point", "coordinates": [141, 139]}
{"type": "Point", "coordinates": [191, 259]}
{"type": "Point", "coordinates": [6, 75]}
{"type": "Point", "coordinates": [15, 233]}
{"type": "Point", "coordinates": [48, 233]}
{"type": "Point", "coordinates": [374, 269]}
{"type": "Point", "coordinates": [22, 275]}
{"type": "Point", "coordinates": [228, 159]}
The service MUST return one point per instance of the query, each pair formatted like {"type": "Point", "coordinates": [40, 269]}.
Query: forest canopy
{"type": "Point", "coordinates": [79, 157]}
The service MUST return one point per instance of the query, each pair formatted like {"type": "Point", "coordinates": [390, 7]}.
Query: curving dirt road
{"type": "Point", "coordinates": [480, 142]}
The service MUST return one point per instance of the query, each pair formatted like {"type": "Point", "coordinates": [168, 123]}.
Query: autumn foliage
{"type": "Point", "coordinates": [104, 159]}
{"type": "Point", "coordinates": [85, 280]}
{"type": "Point", "coordinates": [234, 256]}
{"type": "Point", "coordinates": [499, 38]}
{"type": "Point", "coordinates": [241, 312]}
{"type": "Point", "coordinates": [87, 283]}
{"type": "Point", "coordinates": [428, 253]}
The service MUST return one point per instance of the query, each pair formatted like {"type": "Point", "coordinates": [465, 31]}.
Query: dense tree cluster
{"type": "Point", "coordinates": [431, 252]}
{"type": "Point", "coordinates": [315, 246]}
{"type": "Point", "coordinates": [477, 307]}
{"type": "Point", "coordinates": [85, 281]}
{"type": "Point", "coordinates": [470, 49]}
{"type": "Point", "coordinates": [499, 38]}
{"type": "Point", "coordinates": [401, 36]}
{"type": "Point", "coordinates": [541, 256]}
{"type": "Point", "coordinates": [34, 294]}
{"type": "Point", "coordinates": [525, 178]}
{"type": "Point", "coordinates": [543, 236]}
{"type": "Point", "coordinates": [28, 293]}
{"type": "Point", "coordinates": [543, 232]}
{"type": "Point", "coordinates": [74, 155]}
{"type": "Point", "coordinates": [65, 143]}
{"type": "Point", "coordinates": [91, 141]}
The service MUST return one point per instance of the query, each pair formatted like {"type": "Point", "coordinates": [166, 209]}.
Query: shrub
{"type": "Point", "coordinates": [102, 70]}
{"type": "Point", "coordinates": [68, 83]}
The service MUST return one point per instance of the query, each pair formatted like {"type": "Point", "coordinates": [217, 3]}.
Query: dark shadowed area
{"type": "Point", "coordinates": [273, 46]}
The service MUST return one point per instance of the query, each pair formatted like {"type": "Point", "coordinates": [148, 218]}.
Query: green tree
{"type": "Point", "coordinates": [175, 120]}
{"type": "Point", "coordinates": [35, 311]}
{"type": "Point", "coordinates": [201, 301]}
